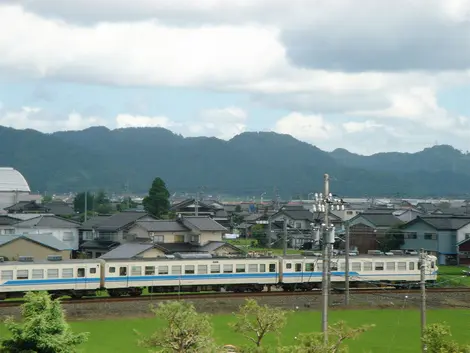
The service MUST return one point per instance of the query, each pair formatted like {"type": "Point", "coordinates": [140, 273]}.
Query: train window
{"type": "Point", "coordinates": [7, 275]}
{"type": "Point", "coordinates": [401, 266]}
{"type": "Point", "coordinates": [112, 270]}
{"type": "Point", "coordinates": [67, 273]}
{"type": "Point", "coordinates": [334, 266]}
{"type": "Point", "coordinates": [342, 266]}
{"type": "Point", "coordinates": [52, 273]}
{"type": "Point", "coordinates": [240, 268]}
{"type": "Point", "coordinates": [22, 274]}
{"type": "Point", "coordinates": [176, 270]}
{"type": "Point", "coordinates": [162, 270]}
{"type": "Point", "coordinates": [262, 268]}
{"type": "Point", "coordinates": [272, 267]}
{"type": "Point", "coordinates": [379, 266]}
{"type": "Point", "coordinates": [122, 271]}
{"type": "Point", "coordinates": [319, 266]}
{"type": "Point", "coordinates": [356, 266]}
{"type": "Point", "coordinates": [288, 266]}
{"type": "Point", "coordinates": [189, 269]}
{"type": "Point", "coordinates": [309, 267]}
{"type": "Point", "coordinates": [433, 264]}
{"type": "Point", "coordinates": [298, 267]}
{"type": "Point", "coordinates": [390, 266]}
{"type": "Point", "coordinates": [202, 269]}
{"type": "Point", "coordinates": [411, 266]}
{"type": "Point", "coordinates": [367, 266]}
{"type": "Point", "coordinates": [228, 268]}
{"type": "Point", "coordinates": [92, 270]}
{"type": "Point", "coordinates": [149, 270]}
{"type": "Point", "coordinates": [419, 265]}
{"type": "Point", "coordinates": [80, 272]}
{"type": "Point", "coordinates": [253, 268]}
{"type": "Point", "coordinates": [37, 274]}
{"type": "Point", "coordinates": [215, 268]}
{"type": "Point", "coordinates": [136, 271]}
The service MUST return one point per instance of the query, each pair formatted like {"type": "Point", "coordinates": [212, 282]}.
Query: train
{"type": "Point", "coordinates": [86, 277]}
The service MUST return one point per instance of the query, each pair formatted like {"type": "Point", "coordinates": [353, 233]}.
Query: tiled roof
{"type": "Point", "coordinates": [119, 220]}
{"type": "Point", "coordinates": [381, 219]}
{"type": "Point", "coordinates": [6, 220]}
{"type": "Point", "coordinates": [93, 222]}
{"type": "Point", "coordinates": [297, 213]}
{"type": "Point", "coordinates": [102, 245]}
{"type": "Point", "coordinates": [59, 208]}
{"type": "Point", "coordinates": [127, 251]}
{"type": "Point", "coordinates": [47, 240]}
{"type": "Point", "coordinates": [47, 221]}
{"type": "Point", "coordinates": [445, 222]}
{"type": "Point", "coordinates": [202, 224]}
{"type": "Point", "coordinates": [162, 226]}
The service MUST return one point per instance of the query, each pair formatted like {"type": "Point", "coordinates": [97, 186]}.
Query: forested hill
{"type": "Point", "coordinates": [248, 164]}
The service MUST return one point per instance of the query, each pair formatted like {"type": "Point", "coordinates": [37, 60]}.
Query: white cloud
{"type": "Point", "coordinates": [128, 120]}
{"type": "Point", "coordinates": [308, 128]}
{"type": "Point", "coordinates": [352, 127]}
{"type": "Point", "coordinates": [35, 118]}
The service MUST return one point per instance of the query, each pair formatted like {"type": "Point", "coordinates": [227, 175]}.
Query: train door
{"type": "Point", "coordinates": [123, 276]}
{"type": "Point", "coordinates": [80, 278]}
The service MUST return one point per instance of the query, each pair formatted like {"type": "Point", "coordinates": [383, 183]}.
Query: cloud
{"type": "Point", "coordinates": [309, 128]}
{"type": "Point", "coordinates": [223, 123]}
{"type": "Point", "coordinates": [37, 119]}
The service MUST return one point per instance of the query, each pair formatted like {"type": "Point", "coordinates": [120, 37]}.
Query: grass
{"type": "Point", "coordinates": [395, 331]}
{"type": "Point", "coordinates": [452, 276]}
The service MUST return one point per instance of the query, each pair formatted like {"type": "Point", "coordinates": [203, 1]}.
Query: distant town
{"type": "Point", "coordinates": [119, 227]}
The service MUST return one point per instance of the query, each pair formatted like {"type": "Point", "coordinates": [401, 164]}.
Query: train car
{"type": "Point", "coordinates": [130, 277]}
{"type": "Point", "coordinates": [305, 273]}
{"type": "Point", "coordinates": [59, 277]}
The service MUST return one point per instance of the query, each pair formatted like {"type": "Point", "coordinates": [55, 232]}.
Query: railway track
{"type": "Point", "coordinates": [227, 295]}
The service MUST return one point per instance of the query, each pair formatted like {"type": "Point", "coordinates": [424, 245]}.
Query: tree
{"type": "Point", "coordinates": [79, 202]}
{"type": "Point", "coordinates": [314, 343]}
{"type": "Point", "coordinates": [186, 330]}
{"type": "Point", "coordinates": [157, 202]}
{"type": "Point", "coordinates": [436, 339]}
{"type": "Point", "coordinates": [255, 321]}
{"type": "Point", "coordinates": [42, 330]}
{"type": "Point", "coordinates": [394, 239]}
{"type": "Point", "coordinates": [46, 199]}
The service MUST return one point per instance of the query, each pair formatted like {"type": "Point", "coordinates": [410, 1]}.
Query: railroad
{"type": "Point", "coordinates": [226, 295]}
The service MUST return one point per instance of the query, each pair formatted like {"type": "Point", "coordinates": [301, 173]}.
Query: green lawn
{"type": "Point", "coordinates": [397, 329]}
{"type": "Point", "coordinates": [452, 276]}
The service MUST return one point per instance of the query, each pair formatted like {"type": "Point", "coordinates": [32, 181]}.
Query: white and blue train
{"type": "Point", "coordinates": [78, 278]}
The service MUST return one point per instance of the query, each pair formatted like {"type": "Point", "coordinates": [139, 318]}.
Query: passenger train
{"type": "Point", "coordinates": [78, 278]}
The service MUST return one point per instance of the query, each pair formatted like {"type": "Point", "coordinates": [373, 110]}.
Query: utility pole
{"type": "Point", "coordinates": [196, 205]}
{"type": "Point", "coordinates": [284, 251]}
{"type": "Point", "coordinates": [346, 266]}
{"type": "Point", "coordinates": [86, 205]}
{"type": "Point", "coordinates": [422, 259]}
{"type": "Point", "coordinates": [269, 232]}
{"type": "Point", "coordinates": [325, 264]}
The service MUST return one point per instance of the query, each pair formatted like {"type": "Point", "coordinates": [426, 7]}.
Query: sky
{"type": "Point", "coordinates": [366, 75]}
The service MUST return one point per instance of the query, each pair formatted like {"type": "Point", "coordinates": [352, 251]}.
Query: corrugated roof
{"type": "Point", "coordinates": [44, 239]}
{"type": "Point", "coordinates": [47, 221]}
{"type": "Point", "coordinates": [162, 226]}
{"type": "Point", "coordinates": [203, 223]}
{"type": "Point", "coordinates": [12, 180]}
{"type": "Point", "coordinates": [127, 251]}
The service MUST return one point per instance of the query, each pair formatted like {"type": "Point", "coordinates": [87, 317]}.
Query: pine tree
{"type": "Point", "coordinates": [157, 202]}
{"type": "Point", "coordinates": [42, 330]}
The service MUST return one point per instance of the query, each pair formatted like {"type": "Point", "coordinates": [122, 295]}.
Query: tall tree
{"type": "Point", "coordinates": [255, 321]}
{"type": "Point", "coordinates": [157, 203]}
{"type": "Point", "coordinates": [186, 331]}
{"type": "Point", "coordinates": [43, 328]}
{"type": "Point", "coordinates": [79, 202]}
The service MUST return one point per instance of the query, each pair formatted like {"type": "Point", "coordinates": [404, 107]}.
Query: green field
{"type": "Point", "coordinates": [395, 331]}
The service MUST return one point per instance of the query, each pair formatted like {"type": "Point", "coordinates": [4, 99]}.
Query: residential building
{"type": "Point", "coordinates": [39, 246]}
{"type": "Point", "coordinates": [438, 235]}
{"type": "Point", "coordinates": [368, 230]}
{"type": "Point", "coordinates": [62, 229]}
{"type": "Point", "coordinates": [101, 234]}
{"type": "Point", "coordinates": [7, 225]}
{"type": "Point", "coordinates": [26, 207]}
{"type": "Point", "coordinates": [407, 215]}
{"type": "Point", "coordinates": [210, 208]}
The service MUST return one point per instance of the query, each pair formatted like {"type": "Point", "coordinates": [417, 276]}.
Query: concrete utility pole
{"type": "Point", "coordinates": [269, 232]}
{"type": "Point", "coordinates": [346, 266]}
{"type": "Point", "coordinates": [196, 205]}
{"type": "Point", "coordinates": [422, 259]}
{"type": "Point", "coordinates": [86, 205]}
{"type": "Point", "coordinates": [325, 264]}
{"type": "Point", "coordinates": [284, 251]}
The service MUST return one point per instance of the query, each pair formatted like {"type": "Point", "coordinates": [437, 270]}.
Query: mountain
{"type": "Point", "coordinates": [248, 164]}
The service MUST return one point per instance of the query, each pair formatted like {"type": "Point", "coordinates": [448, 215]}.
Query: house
{"type": "Point", "coordinates": [193, 207]}
{"type": "Point", "coordinates": [62, 229]}
{"type": "Point", "coordinates": [428, 207]}
{"type": "Point", "coordinates": [104, 233]}
{"type": "Point", "coordinates": [7, 225]}
{"type": "Point", "coordinates": [39, 246]}
{"type": "Point", "coordinates": [150, 250]}
{"type": "Point", "coordinates": [439, 235]}
{"type": "Point", "coordinates": [59, 208]}
{"type": "Point", "coordinates": [26, 207]}
{"type": "Point", "coordinates": [367, 230]}
{"type": "Point", "coordinates": [407, 215]}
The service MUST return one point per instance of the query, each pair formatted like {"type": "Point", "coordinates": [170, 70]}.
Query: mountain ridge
{"type": "Point", "coordinates": [248, 164]}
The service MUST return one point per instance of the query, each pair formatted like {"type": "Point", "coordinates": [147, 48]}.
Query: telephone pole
{"type": "Point", "coordinates": [325, 264]}
{"type": "Point", "coordinates": [422, 259]}
{"type": "Point", "coordinates": [284, 251]}
{"type": "Point", "coordinates": [86, 205]}
{"type": "Point", "coordinates": [346, 266]}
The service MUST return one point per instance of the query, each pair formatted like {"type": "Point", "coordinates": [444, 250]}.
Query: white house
{"type": "Point", "coordinates": [63, 229]}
